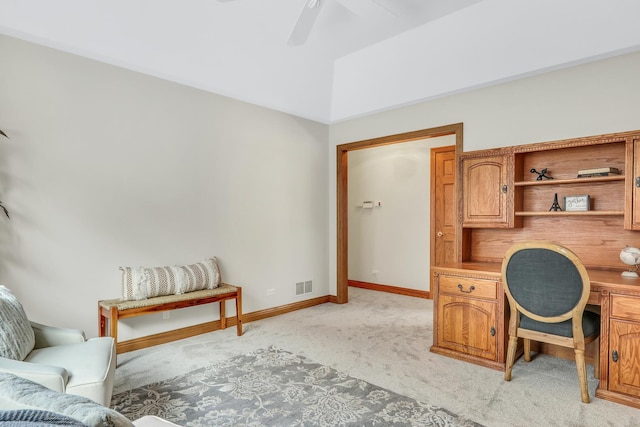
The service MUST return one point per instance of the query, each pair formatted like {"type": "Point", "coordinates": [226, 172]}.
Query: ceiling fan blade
{"type": "Point", "coordinates": [369, 9]}
{"type": "Point", "coordinates": [305, 22]}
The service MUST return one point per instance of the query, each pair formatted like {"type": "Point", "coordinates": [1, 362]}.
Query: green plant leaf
{"type": "Point", "coordinates": [6, 212]}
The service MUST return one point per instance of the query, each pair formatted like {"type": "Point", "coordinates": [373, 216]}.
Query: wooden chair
{"type": "Point", "coordinates": [548, 287]}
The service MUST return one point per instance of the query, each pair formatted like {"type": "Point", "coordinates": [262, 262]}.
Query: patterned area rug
{"type": "Point", "coordinates": [272, 387]}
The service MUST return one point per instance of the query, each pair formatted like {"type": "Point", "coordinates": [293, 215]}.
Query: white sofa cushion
{"type": "Point", "coordinates": [90, 366]}
{"type": "Point", "coordinates": [17, 338]}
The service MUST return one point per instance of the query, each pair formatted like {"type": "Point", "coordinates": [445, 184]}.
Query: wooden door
{"type": "Point", "coordinates": [443, 206]}
{"type": "Point", "coordinates": [484, 182]}
{"type": "Point", "coordinates": [624, 357]}
{"type": "Point", "coordinates": [467, 325]}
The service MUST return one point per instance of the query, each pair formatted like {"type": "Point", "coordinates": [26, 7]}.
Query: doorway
{"type": "Point", "coordinates": [342, 152]}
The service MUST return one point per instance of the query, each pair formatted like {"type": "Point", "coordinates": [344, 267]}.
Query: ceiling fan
{"type": "Point", "coordinates": [305, 22]}
{"type": "Point", "coordinates": [311, 10]}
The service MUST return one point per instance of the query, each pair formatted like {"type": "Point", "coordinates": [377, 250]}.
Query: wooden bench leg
{"type": "Point", "coordinates": [239, 312]}
{"type": "Point", "coordinates": [112, 318]}
{"type": "Point", "coordinates": [113, 325]}
{"type": "Point", "coordinates": [223, 314]}
{"type": "Point", "coordinates": [102, 327]}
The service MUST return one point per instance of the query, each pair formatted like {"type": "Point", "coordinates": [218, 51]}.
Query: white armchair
{"type": "Point", "coordinates": [58, 358]}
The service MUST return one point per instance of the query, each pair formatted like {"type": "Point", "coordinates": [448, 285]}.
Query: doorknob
{"type": "Point", "coordinates": [440, 234]}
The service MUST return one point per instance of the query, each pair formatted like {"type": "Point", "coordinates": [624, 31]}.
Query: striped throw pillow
{"type": "Point", "coordinates": [140, 283]}
{"type": "Point", "coordinates": [17, 338]}
{"type": "Point", "coordinates": [201, 275]}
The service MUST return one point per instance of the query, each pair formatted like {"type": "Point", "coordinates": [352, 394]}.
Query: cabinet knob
{"type": "Point", "coordinates": [440, 234]}
{"type": "Point", "coordinates": [637, 181]}
{"type": "Point", "coordinates": [614, 355]}
{"type": "Point", "coordinates": [504, 188]}
{"type": "Point", "coordinates": [471, 288]}
{"type": "Point", "coordinates": [493, 331]}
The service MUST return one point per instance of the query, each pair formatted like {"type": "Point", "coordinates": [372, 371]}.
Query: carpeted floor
{"type": "Point", "coordinates": [384, 339]}
{"type": "Point", "coordinates": [273, 387]}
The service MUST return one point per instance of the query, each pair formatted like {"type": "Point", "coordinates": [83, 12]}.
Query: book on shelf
{"type": "Point", "coordinates": [591, 175]}
{"type": "Point", "coordinates": [607, 170]}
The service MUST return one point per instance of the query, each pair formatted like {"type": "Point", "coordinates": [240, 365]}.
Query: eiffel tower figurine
{"type": "Point", "coordinates": [555, 206]}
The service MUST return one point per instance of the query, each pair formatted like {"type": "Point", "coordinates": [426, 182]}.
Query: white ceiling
{"type": "Point", "coordinates": [362, 56]}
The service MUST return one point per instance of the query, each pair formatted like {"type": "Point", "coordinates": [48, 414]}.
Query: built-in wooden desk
{"type": "Point", "coordinates": [471, 323]}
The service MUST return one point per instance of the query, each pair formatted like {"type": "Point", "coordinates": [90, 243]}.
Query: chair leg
{"type": "Point", "coordinates": [527, 350]}
{"type": "Point", "coordinates": [582, 375]}
{"type": "Point", "coordinates": [511, 356]}
{"type": "Point", "coordinates": [596, 359]}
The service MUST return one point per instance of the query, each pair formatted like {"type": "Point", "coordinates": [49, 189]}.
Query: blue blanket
{"type": "Point", "coordinates": [36, 418]}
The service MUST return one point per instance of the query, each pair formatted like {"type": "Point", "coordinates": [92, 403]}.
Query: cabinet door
{"type": "Point", "coordinates": [624, 357]}
{"type": "Point", "coordinates": [635, 185]}
{"type": "Point", "coordinates": [484, 192]}
{"type": "Point", "coordinates": [467, 325]}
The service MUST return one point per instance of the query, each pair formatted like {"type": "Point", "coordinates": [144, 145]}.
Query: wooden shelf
{"type": "Point", "coordinates": [570, 181]}
{"type": "Point", "coordinates": [563, 213]}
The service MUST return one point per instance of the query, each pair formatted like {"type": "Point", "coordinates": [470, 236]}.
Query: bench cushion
{"type": "Point", "coordinates": [139, 283]}
{"type": "Point", "coordinates": [122, 304]}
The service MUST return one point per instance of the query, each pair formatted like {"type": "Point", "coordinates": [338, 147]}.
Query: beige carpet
{"type": "Point", "coordinates": [384, 339]}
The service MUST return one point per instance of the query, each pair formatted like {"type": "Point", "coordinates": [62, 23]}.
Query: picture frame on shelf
{"type": "Point", "coordinates": [581, 203]}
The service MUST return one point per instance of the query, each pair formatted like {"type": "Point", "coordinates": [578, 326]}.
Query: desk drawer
{"type": "Point", "coordinates": [625, 307]}
{"type": "Point", "coordinates": [463, 286]}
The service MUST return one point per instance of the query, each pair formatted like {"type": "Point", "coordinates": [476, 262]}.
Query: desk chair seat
{"type": "Point", "coordinates": [548, 287]}
{"type": "Point", "coordinates": [590, 325]}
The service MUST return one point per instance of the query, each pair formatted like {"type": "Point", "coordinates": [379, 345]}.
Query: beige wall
{"type": "Point", "coordinates": [107, 167]}
{"type": "Point", "coordinates": [591, 99]}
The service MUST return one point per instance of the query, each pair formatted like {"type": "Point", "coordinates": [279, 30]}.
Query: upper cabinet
{"type": "Point", "coordinates": [485, 191]}
{"type": "Point", "coordinates": [504, 198]}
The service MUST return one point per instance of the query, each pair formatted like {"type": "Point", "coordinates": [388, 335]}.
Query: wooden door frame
{"type": "Point", "coordinates": [342, 153]}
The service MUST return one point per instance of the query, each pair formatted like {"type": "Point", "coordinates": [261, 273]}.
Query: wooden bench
{"type": "Point", "coordinates": [110, 311]}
